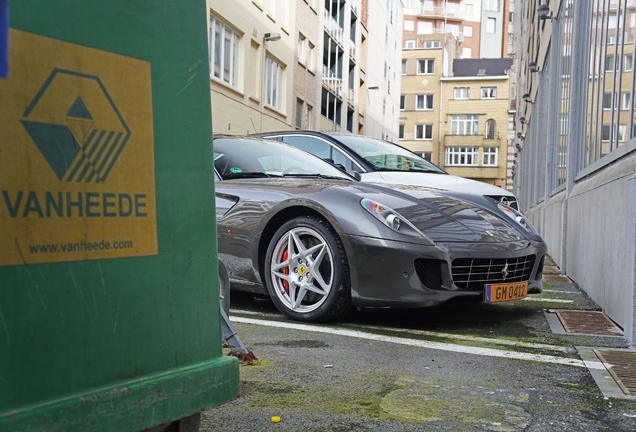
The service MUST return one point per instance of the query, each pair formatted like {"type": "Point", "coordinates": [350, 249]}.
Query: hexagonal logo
{"type": "Point", "coordinates": [76, 126]}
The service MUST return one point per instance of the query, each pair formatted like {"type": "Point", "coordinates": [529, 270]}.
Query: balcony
{"type": "Point", "coordinates": [327, 125]}
{"type": "Point", "coordinates": [442, 13]}
{"type": "Point", "coordinates": [351, 97]}
{"type": "Point", "coordinates": [331, 81]}
{"type": "Point", "coordinates": [333, 28]}
{"type": "Point", "coordinates": [352, 51]}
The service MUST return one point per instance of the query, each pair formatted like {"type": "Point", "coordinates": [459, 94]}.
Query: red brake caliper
{"type": "Point", "coordinates": [285, 271]}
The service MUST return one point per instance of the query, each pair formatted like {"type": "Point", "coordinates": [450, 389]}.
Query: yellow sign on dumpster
{"type": "Point", "coordinates": [77, 177]}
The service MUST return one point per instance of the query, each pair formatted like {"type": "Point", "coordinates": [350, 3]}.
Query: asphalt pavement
{"type": "Point", "coordinates": [477, 367]}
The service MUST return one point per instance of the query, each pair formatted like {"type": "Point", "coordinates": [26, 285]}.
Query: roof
{"type": "Point", "coordinates": [481, 67]}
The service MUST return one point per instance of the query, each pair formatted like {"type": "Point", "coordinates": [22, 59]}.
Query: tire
{"type": "Point", "coordinates": [311, 283]}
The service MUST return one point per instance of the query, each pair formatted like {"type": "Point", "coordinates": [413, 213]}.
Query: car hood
{"type": "Point", "coordinates": [443, 218]}
{"type": "Point", "coordinates": [436, 181]}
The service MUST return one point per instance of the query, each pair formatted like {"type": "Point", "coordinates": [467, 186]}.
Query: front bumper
{"type": "Point", "coordinates": [383, 272]}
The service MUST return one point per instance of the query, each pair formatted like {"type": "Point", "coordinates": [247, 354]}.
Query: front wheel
{"type": "Point", "coordinates": [307, 273]}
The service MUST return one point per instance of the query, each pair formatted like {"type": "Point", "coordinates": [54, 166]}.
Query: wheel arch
{"type": "Point", "coordinates": [279, 219]}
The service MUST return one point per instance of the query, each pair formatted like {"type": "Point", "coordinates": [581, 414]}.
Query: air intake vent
{"type": "Point", "coordinates": [430, 272]}
{"type": "Point", "coordinates": [472, 274]}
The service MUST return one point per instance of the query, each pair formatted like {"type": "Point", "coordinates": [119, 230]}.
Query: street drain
{"type": "Point", "coordinates": [621, 364]}
{"type": "Point", "coordinates": [588, 322]}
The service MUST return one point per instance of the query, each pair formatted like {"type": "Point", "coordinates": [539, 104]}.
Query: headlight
{"type": "Point", "coordinates": [392, 219]}
{"type": "Point", "coordinates": [517, 217]}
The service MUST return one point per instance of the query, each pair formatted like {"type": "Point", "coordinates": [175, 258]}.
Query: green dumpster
{"type": "Point", "coordinates": [109, 302]}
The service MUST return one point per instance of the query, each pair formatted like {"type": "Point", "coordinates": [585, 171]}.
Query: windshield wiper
{"type": "Point", "coordinates": [249, 174]}
{"type": "Point", "coordinates": [412, 169]}
{"type": "Point", "coordinates": [316, 175]}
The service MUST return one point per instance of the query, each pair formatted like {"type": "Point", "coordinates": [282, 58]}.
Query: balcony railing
{"type": "Point", "coordinates": [352, 50]}
{"type": "Point", "coordinates": [332, 81]}
{"type": "Point", "coordinates": [441, 12]}
{"type": "Point", "coordinates": [327, 125]}
{"type": "Point", "coordinates": [333, 28]}
{"type": "Point", "coordinates": [351, 97]}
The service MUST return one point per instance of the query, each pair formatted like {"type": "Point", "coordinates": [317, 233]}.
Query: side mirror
{"type": "Point", "coordinates": [356, 175]}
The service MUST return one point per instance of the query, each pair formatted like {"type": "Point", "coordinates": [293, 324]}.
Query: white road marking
{"type": "Point", "coordinates": [548, 300]}
{"type": "Point", "coordinates": [439, 334]}
{"type": "Point", "coordinates": [490, 352]}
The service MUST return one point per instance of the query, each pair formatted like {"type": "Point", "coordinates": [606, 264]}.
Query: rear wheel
{"type": "Point", "coordinates": [307, 273]}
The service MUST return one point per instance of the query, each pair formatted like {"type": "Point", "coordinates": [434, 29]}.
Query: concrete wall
{"type": "Point", "coordinates": [596, 223]}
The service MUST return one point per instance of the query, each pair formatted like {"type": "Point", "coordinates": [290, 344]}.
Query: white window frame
{"type": "Point", "coordinates": [467, 52]}
{"type": "Point", "coordinates": [490, 156]}
{"type": "Point", "coordinates": [404, 69]}
{"type": "Point", "coordinates": [468, 31]}
{"type": "Point", "coordinates": [461, 93]}
{"type": "Point", "coordinates": [302, 43]}
{"type": "Point", "coordinates": [429, 64]}
{"type": "Point", "coordinates": [218, 55]}
{"type": "Point", "coordinates": [424, 27]}
{"type": "Point", "coordinates": [309, 110]}
{"type": "Point", "coordinates": [409, 44]}
{"type": "Point", "coordinates": [310, 56]}
{"type": "Point", "coordinates": [401, 131]}
{"type": "Point", "coordinates": [427, 100]}
{"type": "Point", "coordinates": [462, 156]}
{"type": "Point", "coordinates": [491, 25]}
{"type": "Point", "coordinates": [402, 102]}
{"type": "Point", "coordinates": [274, 79]}
{"type": "Point", "coordinates": [431, 44]}
{"type": "Point", "coordinates": [409, 25]}
{"type": "Point", "coordinates": [491, 5]}
{"type": "Point", "coordinates": [489, 92]}
{"type": "Point", "coordinates": [465, 124]}
{"type": "Point", "coordinates": [424, 131]}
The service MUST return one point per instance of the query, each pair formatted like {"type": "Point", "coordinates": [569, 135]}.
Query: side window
{"type": "Point", "coordinates": [340, 159]}
{"type": "Point", "coordinates": [311, 145]}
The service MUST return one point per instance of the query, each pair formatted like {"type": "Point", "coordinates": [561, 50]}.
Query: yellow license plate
{"type": "Point", "coordinates": [505, 291]}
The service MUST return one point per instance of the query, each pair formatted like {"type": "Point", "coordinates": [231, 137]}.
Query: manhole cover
{"type": "Point", "coordinates": [588, 322]}
{"type": "Point", "coordinates": [621, 364]}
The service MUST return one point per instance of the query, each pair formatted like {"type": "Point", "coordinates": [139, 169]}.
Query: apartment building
{"type": "Point", "coordinates": [475, 119]}
{"type": "Point", "coordinates": [420, 100]}
{"type": "Point", "coordinates": [252, 58]}
{"type": "Point", "coordinates": [284, 64]}
{"type": "Point", "coordinates": [493, 33]}
{"type": "Point", "coordinates": [576, 143]}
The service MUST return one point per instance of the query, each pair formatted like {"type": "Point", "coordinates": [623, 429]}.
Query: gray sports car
{"type": "Point", "coordinates": [319, 242]}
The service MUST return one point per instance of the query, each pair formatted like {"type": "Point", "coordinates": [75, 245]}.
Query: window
{"type": "Point", "coordinates": [427, 5]}
{"type": "Point", "coordinates": [605, 132]}
{"type": "Point", "coordinates": [403, 67]}
{"type": "Point", "coordinates": [628, 60]}
{"type": "Point", "coordinates": [462, 92]}
{"type": "Point", "coordinates": [423, 131]}
{"type": "Point", "coordinates": [467, 52]}
{"type": "Point", "coordinates": [402, 102]}
{"type": "Point", "coordinates": [609, 100]}
{"type": "Point", "coordinates": [273, 83]}
{"type": "Point", "coordinates": [490, 156]}
{"type": "Point", "coordinates": [426, 66]}
{"type": "Point", "coordinates": [491, 5]}
{"type": "Point", "coordinates": [511, 17]}
{"type": "Point", "coordinates": [310, 56]}
{"type": "Point", "coordinates": [409, 25]}
{"type": "Point", "coordinates": [309, 112]}
{"type": "Point", "coordinates": [627, 96]}
{"type": "Point", "coordinates": [431, 44]}
{"type": "Point", "coordinates": [409, 44]}
{"type": "Point", "coordinates": [385, 69]}
{"type": "Point", "coordinates": [465, 124]}
{"type": "Point", "coordinates": [610, 63]}
{"type": "Point", "coordinates": [424, 27]}
{"type": "Point", "coordinates": [301, 48]}
{"type": "Point", "coordinates": [452, 29]}
{"type": "Point", "coordinates": [299, 113]}
{"type": "Point", "coordinates": [489, 92]}
{"type": "Point", "coordinates": [469, 9]}
{"type": "Point", "coordinates": [491, 25]}
{"type": "Point", "coordinates": [491, 129]}
{"type": "Point", "coordinates": [428, 156]}
{"type": "Point", "coordinates": [401, 131]}
{"type": "Point", "coordinates": [225, 52]}
{"type": "Point", "coordinates": [458, 156]}
{"type": "Point", "coordinates": [468, 31]}
{"type": "Point", "coordinates": [424, 102]}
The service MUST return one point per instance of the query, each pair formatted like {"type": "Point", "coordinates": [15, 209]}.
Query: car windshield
{"type": "Point", "coordinates": [253, 158]}
{"type": "Point", "coordinates": [386, 156]}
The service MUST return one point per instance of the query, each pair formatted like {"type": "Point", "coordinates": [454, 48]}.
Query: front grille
{"type": "Point", "coordinates": [430, 272]}
{"type": "Point", "coordinates": [472, 274]}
